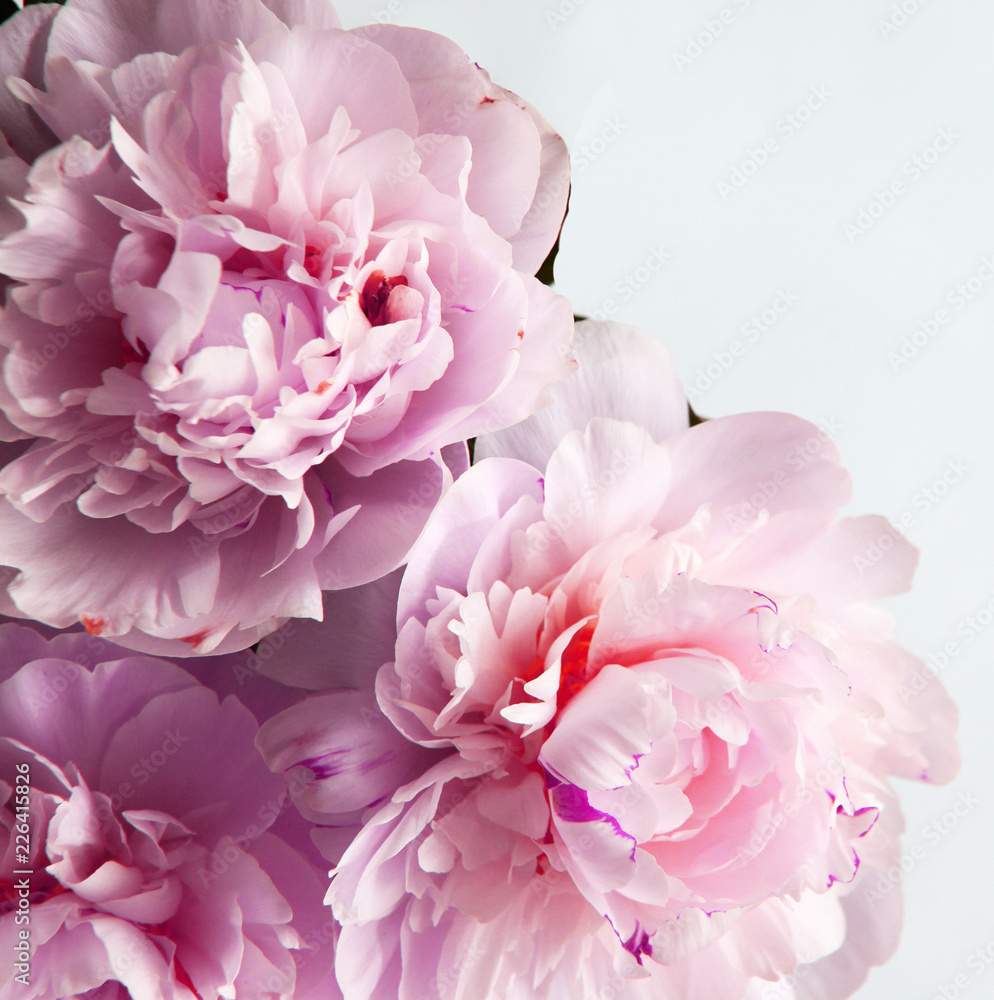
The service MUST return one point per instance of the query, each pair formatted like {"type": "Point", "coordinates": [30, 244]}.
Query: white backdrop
{"type": "Point", "coordinates": [798, 200]}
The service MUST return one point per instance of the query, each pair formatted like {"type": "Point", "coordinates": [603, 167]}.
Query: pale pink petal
{"type": "Point", "coordinates": [441, 76]}
{"type": "Point", "coordinates": [466, 512]}
{"type": "Point", "coordinates": [112, 32]}
{"type": "Point", "coordinates": [843, 561]}
{"type": "Point", "coordinates": [752, 462]}
{"type": "Point", "coordinates": [361, 78]}
{"type": "Point", "coordinates": [354, 755]}
{"type": "Point", "coordinates": [621, 373]}
{"type": "Point", "coordinates": [608, 479]}
{"type": "Point", "coordinates": [602, 733]}
{"type": "Point", "coordinates": [393, 505]}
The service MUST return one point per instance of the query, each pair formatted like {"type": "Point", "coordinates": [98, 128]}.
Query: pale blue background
{"type": "Point", "coordinates": [608, 70]}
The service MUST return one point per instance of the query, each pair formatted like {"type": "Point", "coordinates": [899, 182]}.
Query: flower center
{"type": "Point", "coordinates": [376, 294]}
{"type": "Point", "coordinates": [313, 260]}
{"type": "Point", "coordinates": [574, 672]}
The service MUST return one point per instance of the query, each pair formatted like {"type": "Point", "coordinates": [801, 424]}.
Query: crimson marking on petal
{"type": "Point", "coordinates": [131, 354]}
{"type": "Point", "coordinates": [92, 624]}
{"type": "Point", "coordinates": [573, 672]}
{"type": "Point", "coordinates": [376, 293]}
{"type": "Point", "coordinates": [323, 387]}
{"type": "Point", "coordinates": [313, 259]}
{"type": "Point", "coordinates": [521, 335]}
{"type": "Point", "coordinates": [183, 978]}
{"type": "Point", "coordinates": [197, 638]}
{"type": "Point", "coordinates": [489, 100]}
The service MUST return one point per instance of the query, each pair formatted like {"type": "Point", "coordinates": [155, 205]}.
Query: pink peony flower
{"type": "Point", "coordinates": [649, 712]}
{"type": "Point", "coordinates": [155, 871]}
{"type": "Point", "coordinates": [266, 276]}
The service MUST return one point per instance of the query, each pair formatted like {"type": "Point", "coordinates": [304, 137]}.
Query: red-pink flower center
{"type": "Point", "coordinates": [313, 259]}
{"type": "Point", "coordinates": [574, 671]}
{"type": "Point", "coordinates": [376, 293]}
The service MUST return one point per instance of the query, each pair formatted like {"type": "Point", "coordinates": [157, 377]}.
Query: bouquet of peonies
{"type": "Point", "coordinates": [575, 694]}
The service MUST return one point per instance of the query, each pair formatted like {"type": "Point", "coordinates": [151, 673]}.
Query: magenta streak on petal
{"type": "Point", "coordinates": [832, 879]}
{"type": "Point", "coordinates": [876, 816]}
{"type": "Point", "coordinates": [773, 604]}
{"type": "Point", "coordinates": [638, 944]}
{"type": "Point", "coordinates": [323, 766]}
{"type": "Point", "coordinates": [637, 759]}
{"type": "Point", "coordinates": [571, 804]}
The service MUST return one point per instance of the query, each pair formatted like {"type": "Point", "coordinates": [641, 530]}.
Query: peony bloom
{"type": "Point", "coordinates": [155, 871]}
{"type": "Point", "coordinates": [643, 716]}
{"type": "Point", "coordinates": [265, 278]}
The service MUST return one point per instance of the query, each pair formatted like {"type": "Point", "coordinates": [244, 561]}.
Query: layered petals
{"type": "Point", "coordinates": [660, 710]}
{"type": "Point", "coordinates": [153, 867]}
{"type": "Point", "coordinates": [267, 277]}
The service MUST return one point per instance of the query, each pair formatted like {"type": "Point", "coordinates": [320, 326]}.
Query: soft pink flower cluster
{"type": "Point", "coordinates": [150, 835]}
{"type": "Point", "coordinates": [609, 713]}
{"type": "Point", "coordinates": [270, 275]}
{"type": "Point", "coordinates": [643, 722]}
